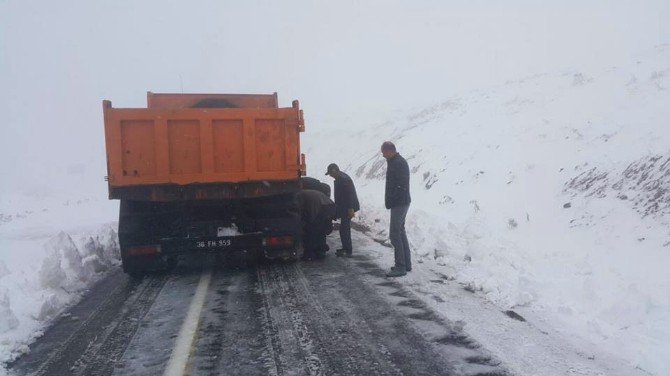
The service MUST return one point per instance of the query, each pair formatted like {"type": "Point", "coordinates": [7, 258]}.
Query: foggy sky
{"type": "Point", "coordinates": [341, 59]}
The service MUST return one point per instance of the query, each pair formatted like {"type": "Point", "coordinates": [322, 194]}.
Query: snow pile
{"type": "Point", "coordinates": [548, 195]}
{"type": "Point", "coordinates": [48, 259]}
{"type": "Point", "coordinates": [8, 320]}
{"type": "Point", "coordinates": [229, 231]}
{"type": "Point", "coordinates": [70, 267]}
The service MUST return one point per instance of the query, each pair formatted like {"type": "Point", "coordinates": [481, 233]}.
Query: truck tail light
{"type": "Point", "coordinates": [144, 250]}
{"type": "Point", "coordinates": [278, 241]}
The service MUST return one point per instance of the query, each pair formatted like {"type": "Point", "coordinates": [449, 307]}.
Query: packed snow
{"type": "Point", "coordinates": [52, 249]}
{"type": "Point", "coordinates": [546, 195]}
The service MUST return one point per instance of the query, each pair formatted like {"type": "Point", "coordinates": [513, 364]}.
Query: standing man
{"type": "Point", "coordinates": [397, 199]}
{"type": "Point", "coordinates": [346, 203]}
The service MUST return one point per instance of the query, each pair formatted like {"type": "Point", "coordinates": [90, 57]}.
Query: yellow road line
{"type": "Point", "coordinates": [182, 349]}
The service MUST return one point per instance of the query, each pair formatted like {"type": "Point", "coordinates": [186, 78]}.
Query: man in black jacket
{"type": "Point", "coordinates": [397, 199]}
{"type": "Point", "coordinates": [346, 203]}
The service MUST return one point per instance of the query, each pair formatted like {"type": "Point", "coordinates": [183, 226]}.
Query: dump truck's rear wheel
{"type": "Point", "coordinates": [131, 267]}
{"type": "Point", "coordinates": [299, 252]}
{"type": "Point", "coordinates": [140, 252]}
{"type": "Point", "coordinates": [138, 266]}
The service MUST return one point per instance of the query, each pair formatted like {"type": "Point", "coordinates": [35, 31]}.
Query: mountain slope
{"type": "Point", "coordinates": [547, 194]}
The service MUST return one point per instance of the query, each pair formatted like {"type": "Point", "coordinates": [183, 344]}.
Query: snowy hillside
{"type": "Point", "coordinates": [548, 194]}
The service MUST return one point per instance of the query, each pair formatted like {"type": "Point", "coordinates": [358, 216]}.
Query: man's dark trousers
{"type": "Point", "coordinates": [399, 237]}
{"type": "Point", "coordinates": [345, 201]}
{"type": "Point", "coordinates": [315, 232]}
{"type": "Point", "coordinates": [315, 239]}
{"type": "Point", "coordinates": [345, 233]}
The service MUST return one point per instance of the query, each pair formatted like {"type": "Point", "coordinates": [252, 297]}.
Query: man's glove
{"type": "Point", "coordinates": [351, 213]}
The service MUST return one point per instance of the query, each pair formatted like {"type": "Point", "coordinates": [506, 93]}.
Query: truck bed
{"type": "Point", "coordinates": [160, 150]}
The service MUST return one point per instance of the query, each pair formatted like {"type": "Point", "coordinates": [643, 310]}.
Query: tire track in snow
{"type": "Point", "coordinates": [91, 346]}
{"type": "Point", "coordinates": [289, 346]}
{"type": "Point", "coordinates": [342, 336]}
{"type": "Point", "coordinates": [231, 337]}
{"type": "Point", "coordinates": [100, 358]}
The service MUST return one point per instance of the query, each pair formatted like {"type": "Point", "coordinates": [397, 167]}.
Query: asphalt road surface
{"type": "Point", "coordinates": [330, 317]}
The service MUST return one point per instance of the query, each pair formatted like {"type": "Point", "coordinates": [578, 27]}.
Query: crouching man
{"type": "Point", "coordinates": [317, 212]}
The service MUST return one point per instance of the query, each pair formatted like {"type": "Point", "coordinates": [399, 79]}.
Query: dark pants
{"type": "Point", "coordinates": [314, 237]}
{"type": "Point", "coordinates": [314, 240]}
{"type": "Point", "coordinates": [403, 259]}
{"type": "Point", "coordinates": [345, 232]}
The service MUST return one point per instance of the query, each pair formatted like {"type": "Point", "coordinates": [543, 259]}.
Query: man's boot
{"type": "Point", "coordinates": [396, 272]}
{"type": "Point", "coordinates": [343, 253]}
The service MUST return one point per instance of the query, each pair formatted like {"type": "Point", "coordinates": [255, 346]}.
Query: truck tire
{"type": "Point", "coordinates": [134, 267]}
{"type": "Point", "coordinates": [136, 219]}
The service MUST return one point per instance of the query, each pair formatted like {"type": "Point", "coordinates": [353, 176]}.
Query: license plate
{"type": "Point", "coordinates": [213, 244]}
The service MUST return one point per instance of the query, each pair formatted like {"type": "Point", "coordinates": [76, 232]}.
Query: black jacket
{"type": "Point", "coordinates": [345, 195]}
{"type": "Point", "coordinates": [315, 184]}
{"type": "Point", "coordinates": [314, 205]}
{"type": "Point", "coordinates": [397, 182]}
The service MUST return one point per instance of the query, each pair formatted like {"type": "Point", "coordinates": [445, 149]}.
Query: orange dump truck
{"type": "Point", "coordinates": [204, 172]}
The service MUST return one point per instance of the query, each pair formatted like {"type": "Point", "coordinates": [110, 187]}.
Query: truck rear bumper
{"type": "Point", "coordinates": [272, 246]}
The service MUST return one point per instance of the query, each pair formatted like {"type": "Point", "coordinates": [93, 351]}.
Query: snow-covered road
{"type": "Point", "coordinates": [336, 316]}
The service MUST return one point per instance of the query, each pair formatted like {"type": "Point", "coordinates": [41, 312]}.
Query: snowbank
{"type": "Point", "coordinates": [549, 193]}
{"type": "Point", "coordinates": [51, 252]}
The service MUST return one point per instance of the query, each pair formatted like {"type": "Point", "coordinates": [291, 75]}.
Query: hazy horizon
{"type": "Point", "coordinates": [59, 61]}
